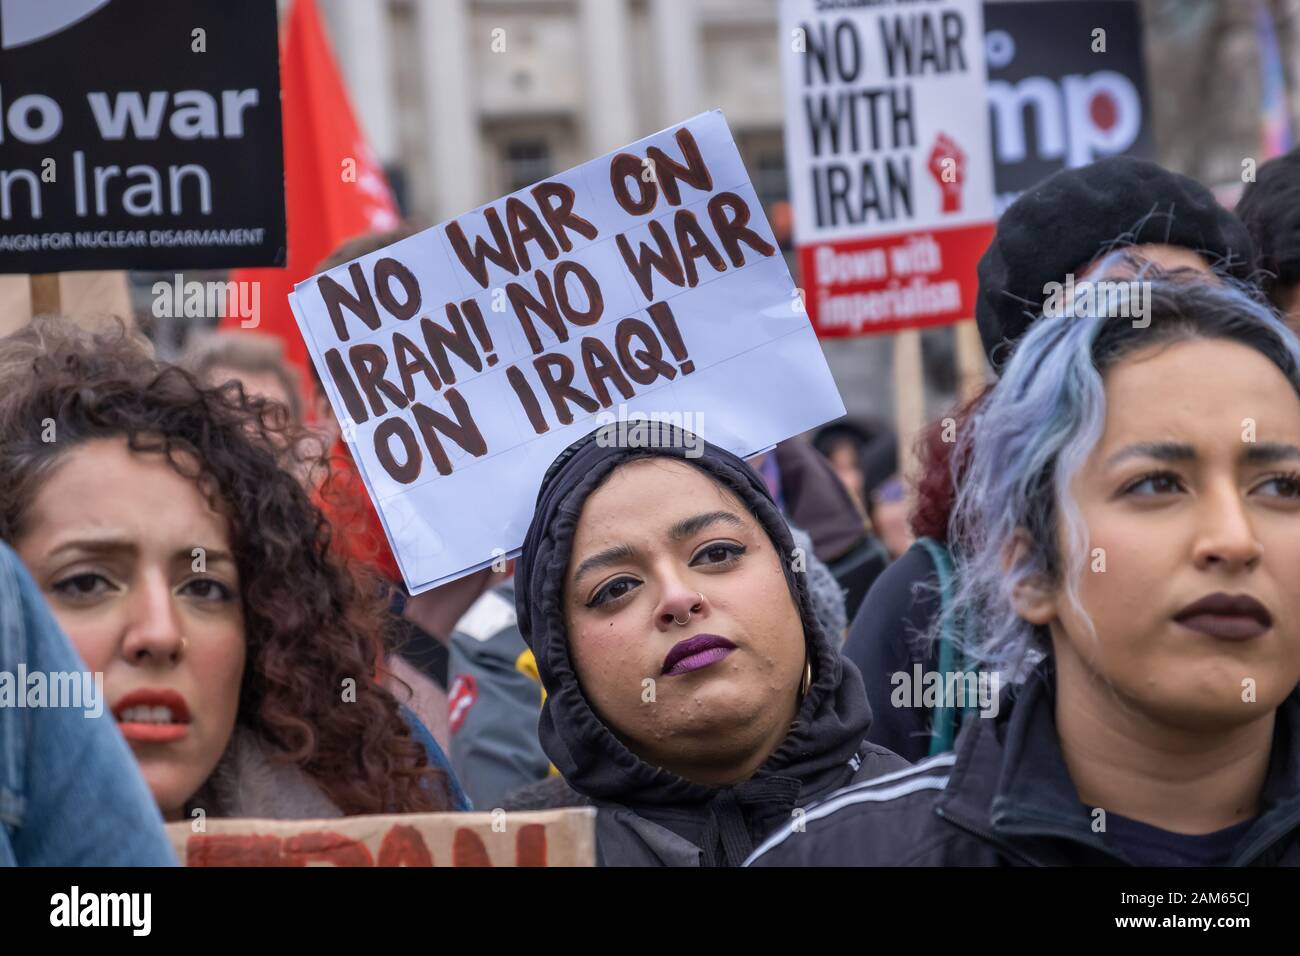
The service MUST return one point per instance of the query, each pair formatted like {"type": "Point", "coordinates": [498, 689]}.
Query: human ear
{"type": "Point", "coordinates": [1034, 596]}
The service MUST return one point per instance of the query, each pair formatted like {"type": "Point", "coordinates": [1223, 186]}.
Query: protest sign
{"type": "Point", "coordinates": [1067, 86]}
{"type": "Point", "coordinates": [544, 838]}
{"type": "Point", "coordinates": [462, 360]}
{"type": "Point", "coordinates": [140, 135]}
{"type": "Point", "coordinates": [888, 153]}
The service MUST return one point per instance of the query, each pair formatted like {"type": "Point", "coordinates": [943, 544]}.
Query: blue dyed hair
{"type": "Point", "coordinates": [1038, 427]}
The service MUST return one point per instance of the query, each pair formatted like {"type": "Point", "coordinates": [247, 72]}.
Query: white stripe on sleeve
{"type": "Point", "coordinates": [847, 798]}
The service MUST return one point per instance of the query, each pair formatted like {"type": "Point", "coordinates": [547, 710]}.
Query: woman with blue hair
{"type": "Point", "coordinates": [1127, 534]}
{"type": "Point", "coordinates": [1061, 230]}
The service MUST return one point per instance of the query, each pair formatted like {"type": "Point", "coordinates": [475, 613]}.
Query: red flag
{"type": "Point", "coordinates": [334, 188]}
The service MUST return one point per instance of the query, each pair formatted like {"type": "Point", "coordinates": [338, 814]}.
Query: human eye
{"type": "Point", "coordinates": [718, 554]}
{"type": "Point", "coordinates": [1285, 485]}
{"type": "Point", "coordinates": [612, 591]}
{"type": "Point", "coordinates": [1153, 484]}
{"type": "Point", "coordinates": [208, 590]}
{"type": "Point", "coordinates": [83, 587]}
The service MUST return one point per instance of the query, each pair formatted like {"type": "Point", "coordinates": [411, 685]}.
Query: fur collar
{"type": "Point", "coordinates": [250, 782]}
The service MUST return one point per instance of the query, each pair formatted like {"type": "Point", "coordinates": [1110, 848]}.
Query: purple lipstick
{"type": "Point", "coordinates": [1229, 617]}
{"type": "Point", "coordinates": [696, 652]}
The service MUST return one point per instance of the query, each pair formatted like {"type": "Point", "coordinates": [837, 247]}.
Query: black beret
{"type": "Point", "coordinates": [1069, 219]}
{"type": "Point", "coordinates": [1270, 208]}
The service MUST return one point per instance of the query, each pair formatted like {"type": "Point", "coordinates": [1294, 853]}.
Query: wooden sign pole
{"type": "Point", "coordinates": [909, 400]}
{"type": "Point", "coordinates": [972, 369]}
{"type": "Point", "coordinates": [45, 294]}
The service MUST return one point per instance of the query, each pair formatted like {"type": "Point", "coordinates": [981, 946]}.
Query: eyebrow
{"type": "Point", "coordinates": [1268, 452]}
{"type": "Point", "coordinates": [210, 555]}
{"type": "Point", "coordinates": [682, 530]}
{"type": "Point", "coordinates": [96, 546]}
{"type": "Point", "coordinates": [603, 559]}
{"type": "Point", "coordinates": [114, 546]}
{"type": "Point", "coordinates": [691, 526]}
{"type": "Point", "coordinates": [1169, 451]}
{"type": "Point", "coordinates": [1261, 453]}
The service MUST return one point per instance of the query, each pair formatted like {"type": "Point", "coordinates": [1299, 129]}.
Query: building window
{"type": "Point", "coordinates": [526, 162]}
{"type": "Point", "coordinates": [769, 177]}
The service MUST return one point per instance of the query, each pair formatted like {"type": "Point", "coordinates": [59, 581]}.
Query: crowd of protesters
{"type": "Point", "coordinates": [1098, 546]}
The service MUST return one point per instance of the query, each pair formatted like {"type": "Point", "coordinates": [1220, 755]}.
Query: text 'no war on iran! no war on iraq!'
{"type": "Point", "coordinates": [462, 359]}
{"type": "Point", "coordinates": [528, 240]}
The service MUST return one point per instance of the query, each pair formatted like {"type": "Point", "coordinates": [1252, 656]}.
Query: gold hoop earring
{"type": "Point", "coordinates": [806, 684]}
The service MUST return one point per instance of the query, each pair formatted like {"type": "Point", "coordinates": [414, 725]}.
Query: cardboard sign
{"type": "Point", "coordinates": [139, 134]}
{"type": "Point", "coordinates": [545, 838]}
{"type": "Point", "coordinates": [1067, 86]}
{"type": "Point", "coordinates": [887, 146]}
{"type": "Point", "coordinates": [642, 287]}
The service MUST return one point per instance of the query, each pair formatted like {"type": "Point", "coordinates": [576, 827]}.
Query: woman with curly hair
{"type": "Point", "coordinates": [163, 523]}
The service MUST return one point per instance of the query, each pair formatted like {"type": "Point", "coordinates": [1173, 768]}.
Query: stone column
{"type": "Point", "coordinates": [675, 27]}
{"type": "Point", "coordinates": [612, 118]}
{"type": "Point", "coordinates": [451, 124]}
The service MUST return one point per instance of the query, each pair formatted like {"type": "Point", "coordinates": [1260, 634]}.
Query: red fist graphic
{"type": "Point", "coordinates": [948, 167]}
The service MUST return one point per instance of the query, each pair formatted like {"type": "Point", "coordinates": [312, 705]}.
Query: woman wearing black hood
{"type": "Point", "coordinates": [691, 695]}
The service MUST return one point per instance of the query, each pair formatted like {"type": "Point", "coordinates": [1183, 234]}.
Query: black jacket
{"type": "Point", "coordinates": [1005, 798]}
{"type": "Point", "coordinates": [658, 834]}
{"type": "Point", "coordinates": [884, 640]}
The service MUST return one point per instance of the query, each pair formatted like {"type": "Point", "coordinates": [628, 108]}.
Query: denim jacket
{"type": "Point", "coordinates": [71, 793]}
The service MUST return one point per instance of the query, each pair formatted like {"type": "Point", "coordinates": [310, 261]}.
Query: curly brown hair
{"type": "Point", "coordinates": [311, 620]}
{"type": "Point", "coordinates": [938, 475]}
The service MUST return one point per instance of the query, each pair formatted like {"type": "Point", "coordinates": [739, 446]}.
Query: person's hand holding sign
{"type": "Point", "coordinates": [948, 167]}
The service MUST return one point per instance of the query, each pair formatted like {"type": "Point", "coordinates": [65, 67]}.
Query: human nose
{"type": "Point", "coordinates": [678, 604]}
{"type": "Point", "coordinates": [1226, 536]}
{"type": "Point", "coordinates": [153, 628]}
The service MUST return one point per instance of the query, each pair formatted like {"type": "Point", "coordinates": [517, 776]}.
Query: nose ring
{"type": "Point", "coordinates": [688, 613]}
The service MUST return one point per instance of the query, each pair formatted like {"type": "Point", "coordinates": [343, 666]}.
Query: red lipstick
{"type": "Point", "coordinates": [152, 716]}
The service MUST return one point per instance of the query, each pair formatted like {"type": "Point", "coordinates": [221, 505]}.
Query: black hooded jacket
{"type": "Point", "coordinates": [647, 815]}
{"type": "Point", "coordinates": [1005, 798]}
